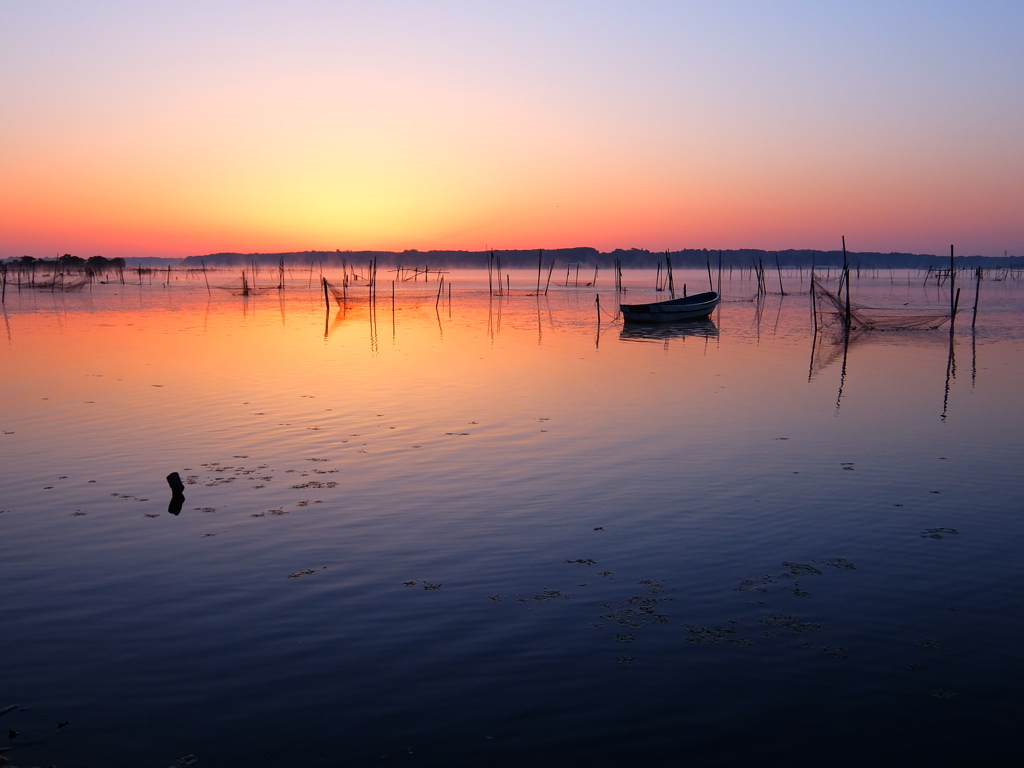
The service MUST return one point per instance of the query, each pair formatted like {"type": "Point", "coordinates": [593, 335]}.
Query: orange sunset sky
{"type": "Point", "coordinates": [171, 129]}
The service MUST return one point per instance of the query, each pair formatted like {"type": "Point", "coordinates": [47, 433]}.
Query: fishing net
{"type": "Point", "coordinates": [832, 311]}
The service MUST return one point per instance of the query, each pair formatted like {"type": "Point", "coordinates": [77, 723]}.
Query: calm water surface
{"type": "Point", "coordinates": [492, 532]}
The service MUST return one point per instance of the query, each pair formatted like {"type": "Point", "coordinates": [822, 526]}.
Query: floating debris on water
{"type": "Point", "coordinates": [306, 572]}
{"type": "Point", "coordinates": [938, 533]}
{"type": "Point", "coordinates": [800, 569]}
{"type": "Point", "coordinates": [790, 622]}
{"type": "Point", "coordinates": [701, 634]}
{"type": "Point", "coordinates": [838, 562]}
{"type": "Point", "coordinates": [551, 594]}
{"type": "Point", "coordinates": [586, 561]}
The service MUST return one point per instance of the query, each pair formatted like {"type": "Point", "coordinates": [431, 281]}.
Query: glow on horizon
{"type": "Point", "coordinates": [192, 128]}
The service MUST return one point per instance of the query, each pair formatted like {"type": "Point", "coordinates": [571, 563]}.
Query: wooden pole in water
{"type": "Point", "coordinates": [548, 283]}
{"type": "Point", "coordinates": [846, 276]}
{"type": "Point", "coordinates": [977, 290]}
{"type": "Point", "coordinates": [597, 299]}
{"type": "Point", "coordinates": [440, 287]}
{"type": "Point", "coordinates": [719, 272]}
{"type": "Point", "coordinates": [779, 268]}
{"type": "Point", "coordinates": [540, 260]}
{"type": "Point", "coordinates": [952, 283]}
{"type": "Point", "coordinates": [707, 258]}
{"type": "Point", "coordinates": [327, 295]}
{"type": "Point", "coordinates": [204, 276]}
{"type": "Point", "coordinates": [671, 279]}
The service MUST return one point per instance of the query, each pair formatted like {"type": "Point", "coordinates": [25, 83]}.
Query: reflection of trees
{"type": "Point", "coordinates": [48, 273]}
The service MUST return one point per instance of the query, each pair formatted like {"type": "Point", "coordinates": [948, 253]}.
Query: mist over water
{"type": "Point", "coordinates": [506, 530]}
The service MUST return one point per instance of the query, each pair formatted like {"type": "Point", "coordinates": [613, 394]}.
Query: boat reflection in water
{"type": "Point", "coordinates": [705, 329]}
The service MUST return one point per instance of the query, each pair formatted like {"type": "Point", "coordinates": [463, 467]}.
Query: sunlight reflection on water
{"type": "Point", "coordinates": [492, 531]}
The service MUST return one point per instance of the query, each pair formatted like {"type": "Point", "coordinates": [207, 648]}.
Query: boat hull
{"type": "Point", "coordinates": [696, 307]}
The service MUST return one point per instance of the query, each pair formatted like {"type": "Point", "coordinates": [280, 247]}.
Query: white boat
{"type": "Point", "coordinates": [695, 307]}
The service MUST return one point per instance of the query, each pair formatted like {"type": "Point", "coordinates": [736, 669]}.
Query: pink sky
{"type": "Point", "coordinates": [190, 128]}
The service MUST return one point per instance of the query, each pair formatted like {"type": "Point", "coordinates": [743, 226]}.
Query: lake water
{"type": "Point", "coordinates": [490, 531]}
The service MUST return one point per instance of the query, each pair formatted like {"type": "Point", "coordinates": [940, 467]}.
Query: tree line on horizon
{"type": "Point", "coordinates": [632, 258]}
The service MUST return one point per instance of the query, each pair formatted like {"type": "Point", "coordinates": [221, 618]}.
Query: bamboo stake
{"type": "Point", "coordinates": [846, 276]}
{"type": "Point", "coordinates": [977, 290]}
{"type": "Point", "coordinates": [952, 283]}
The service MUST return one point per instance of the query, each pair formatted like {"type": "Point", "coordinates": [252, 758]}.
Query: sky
{"type": "Point", "coordinates": [180, 128]}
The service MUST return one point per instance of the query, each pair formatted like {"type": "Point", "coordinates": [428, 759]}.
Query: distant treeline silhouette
{"type": "Point", "coordinates": [635, 258]}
